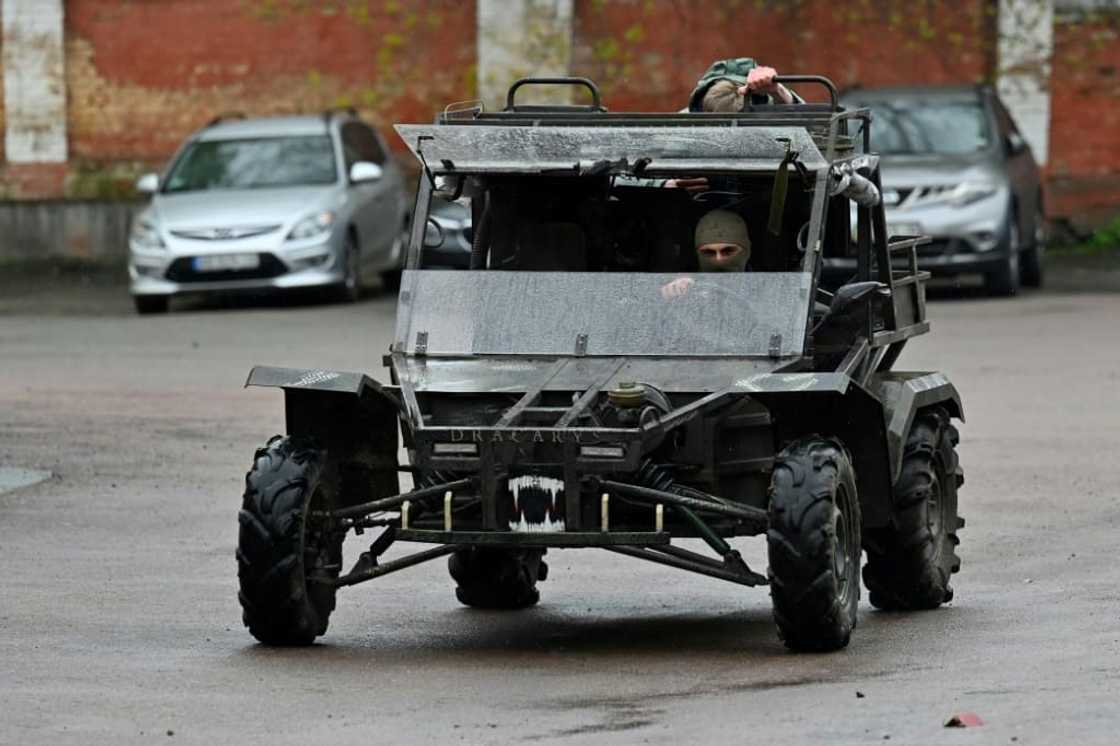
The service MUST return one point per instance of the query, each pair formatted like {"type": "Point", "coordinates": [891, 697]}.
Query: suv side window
{"type": "Point", "coordinates": [360, 144]}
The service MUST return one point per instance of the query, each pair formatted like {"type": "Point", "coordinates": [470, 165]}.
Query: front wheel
{"type": "Point", "coordinates": [150, 304]}
{"type": "Point", "coordinates": [1031, 260]}
{"type": "Point", "coordinates": [286, 556]}
{"type": "Point", "coordinates": [1005, 280]}
{"type": "Point", "coordinates": [350, 289]}
{"type": "Point", "coordinates": [814, 545]}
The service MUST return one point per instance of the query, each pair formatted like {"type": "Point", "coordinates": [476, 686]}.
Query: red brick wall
{"type": "Point", "coordinates": [648, 55]}
{"type": "Point", "coordinates": [1084, 168]}
{"type": "Point", "coordinates": [143, 75]}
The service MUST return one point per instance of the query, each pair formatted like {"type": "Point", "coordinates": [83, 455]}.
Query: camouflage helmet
{"type": "Point", "coordinates": [735, 69]}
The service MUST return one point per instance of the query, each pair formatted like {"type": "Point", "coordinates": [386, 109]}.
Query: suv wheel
{"type": "Point", "coordinates": [909, 564]}
{"type": "Point", "coordinates": [1005, 280]}
{"type": "Point", "coordinates": [814, 545]}
{"type": "Point", "coordinates": [1031, 263]}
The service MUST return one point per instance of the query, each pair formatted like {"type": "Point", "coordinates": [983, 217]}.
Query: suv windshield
{"type": "Point", "coordinates": [254, 164]}
{"type": "Point", "coordinates": [601, 313]}
{"type": "Point", "coordinates": [929, 127]}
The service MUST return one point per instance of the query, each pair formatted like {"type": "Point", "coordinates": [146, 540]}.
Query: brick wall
{"type": "Point", "coordinates": [140, 76]}
{"type": "Point", "coordinates": [648, 55]}
{"type": "Point", "coordinates": [1084, 169]}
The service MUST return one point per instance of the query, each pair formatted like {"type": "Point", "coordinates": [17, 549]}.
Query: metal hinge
{"type": "Point", "coordinates": [775, 345]}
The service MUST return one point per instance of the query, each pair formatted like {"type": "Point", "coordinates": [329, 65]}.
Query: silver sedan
{"type": "Point", "coordinates": [270, 204]}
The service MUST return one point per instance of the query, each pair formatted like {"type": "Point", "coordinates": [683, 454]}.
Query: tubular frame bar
{"type": "Point", "coordinates": [376, 571]}
{"type": "Point", "coordinates": [755, 517]}
{"type": "Point", "coordinates": [701, 568]}
{"type": "Point", "coordinates": [691, 556]}
{"type": "Point", "coordinates": [388, 503]}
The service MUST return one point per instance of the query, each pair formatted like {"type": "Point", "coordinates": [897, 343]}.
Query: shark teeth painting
{"type": "Point", "coordinates": [534, 503]}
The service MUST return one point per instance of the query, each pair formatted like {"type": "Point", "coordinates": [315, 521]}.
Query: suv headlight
{"type": "Point", "coordinates": [145, 235]}
{"type": "Point", "coordinates": [968, 192]}
{"type": "Point", "coordinates": [312, 225]}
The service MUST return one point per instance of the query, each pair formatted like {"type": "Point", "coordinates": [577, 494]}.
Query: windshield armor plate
{"type": "Point", "coordinates": [456, 313]}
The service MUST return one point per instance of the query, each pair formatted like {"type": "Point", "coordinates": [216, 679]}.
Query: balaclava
{"type": "Point", "coordinates": [723, 226]}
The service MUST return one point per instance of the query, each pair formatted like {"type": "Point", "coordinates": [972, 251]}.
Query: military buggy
{"type": "Point", "coordinates": [551, 397]}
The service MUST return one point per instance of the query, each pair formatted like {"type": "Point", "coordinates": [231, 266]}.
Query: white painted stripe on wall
{"type": "Point", "coordinates": [521, 38]}
{"type": "Point", "coordinates": [1026, 50]}
{"type": "Point", "coordinates": [34, 81]}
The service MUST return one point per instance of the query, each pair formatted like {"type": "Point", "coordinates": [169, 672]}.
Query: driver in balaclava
{"type": "Point", "coordinates": [722, 245]}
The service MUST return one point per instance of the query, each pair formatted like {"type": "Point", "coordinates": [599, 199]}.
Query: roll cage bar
{"type": "Point", "coordinates": [827, 123]}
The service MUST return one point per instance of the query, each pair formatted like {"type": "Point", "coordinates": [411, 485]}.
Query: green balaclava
{"type": "Point", "coordinates": [723, 226]}
{"type": "Point", "coordinates": [735, 69]}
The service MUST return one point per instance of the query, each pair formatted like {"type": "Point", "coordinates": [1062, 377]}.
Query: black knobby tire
{"type": "Point", "coordinates": [909, 564]}
{"type": "Point", "coordinates": [491, 578]}
{"type": "Point", "coordinates": [282, 551]}
{"type": "Point", "coordinates": [814, 545]}
{"type": "Point", "coordinates": [149, 304]}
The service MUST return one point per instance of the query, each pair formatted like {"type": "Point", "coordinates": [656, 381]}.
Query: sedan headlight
{"type": "Point", "coordinates": [145, 235]}
{"type": "Point", "coordinates": [968, 192]}
{"type": "Point", "coordinates": [312, 225]}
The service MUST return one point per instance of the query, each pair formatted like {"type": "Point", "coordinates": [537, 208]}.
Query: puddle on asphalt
{"type": "Point", "coordinates": [12, 478]}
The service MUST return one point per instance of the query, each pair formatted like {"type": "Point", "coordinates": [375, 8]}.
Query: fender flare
{"type": "Point", "coordinates": [353, 416]}
{"type": "Point", "coordinates": [902, 395]}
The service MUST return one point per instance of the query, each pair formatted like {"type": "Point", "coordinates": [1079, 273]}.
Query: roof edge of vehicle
{"type": "Point", "coordinates": [817, 131]}
{"type": "Point", "coordinates": [237, 124]}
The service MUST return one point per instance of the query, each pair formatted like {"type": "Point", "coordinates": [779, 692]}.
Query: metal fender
{"type": "Point", "coordinates": [902, 395]}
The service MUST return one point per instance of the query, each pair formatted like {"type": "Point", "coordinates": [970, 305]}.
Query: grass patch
{"type": "Point", "coordinates": [1105, 242]}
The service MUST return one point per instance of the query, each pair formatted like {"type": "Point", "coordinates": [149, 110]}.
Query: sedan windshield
{"type": "Point", "coordinates": [254, 164]}
{"type": "Point", "coordinates": [928, 127]}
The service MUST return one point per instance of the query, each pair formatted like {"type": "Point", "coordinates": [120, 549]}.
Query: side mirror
{"type": "Point", "coordinates": [363, 171]}
{"type": "Point", "coordinates": [148, 184]}
{"type": "Point", "coordinates": [1014, 143]}
{"type": "Point", "coordinates": [847, 296]}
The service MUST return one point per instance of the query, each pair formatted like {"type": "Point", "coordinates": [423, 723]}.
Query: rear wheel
{"type": "Point", "coordinates": [814, 545]}
{"type": "Point", "coordinates": [150, 304]}
{"type": "Point", "coordinates": [286, 557]}
{"type": "Point", "coordinates": [497, 578]}
{"type": "Point", "coordinates": [909, 565]}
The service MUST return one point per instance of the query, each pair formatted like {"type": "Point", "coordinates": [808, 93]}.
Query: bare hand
{"type": "Point", "coordinates": [677, 288]}
{"type": "Point", "coordinates": [761, 80]}
{"type": "Point", "coordinates": [694, 184]}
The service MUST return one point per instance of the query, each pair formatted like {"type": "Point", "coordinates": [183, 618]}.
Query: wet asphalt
{"type": "Point", "coordinates": [119, 621]}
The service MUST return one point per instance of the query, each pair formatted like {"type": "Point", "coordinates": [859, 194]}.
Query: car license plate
{"type": "Point", "coordinates": [225, 262]}
{"type": "Point", "coordinates": [904, 229]}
